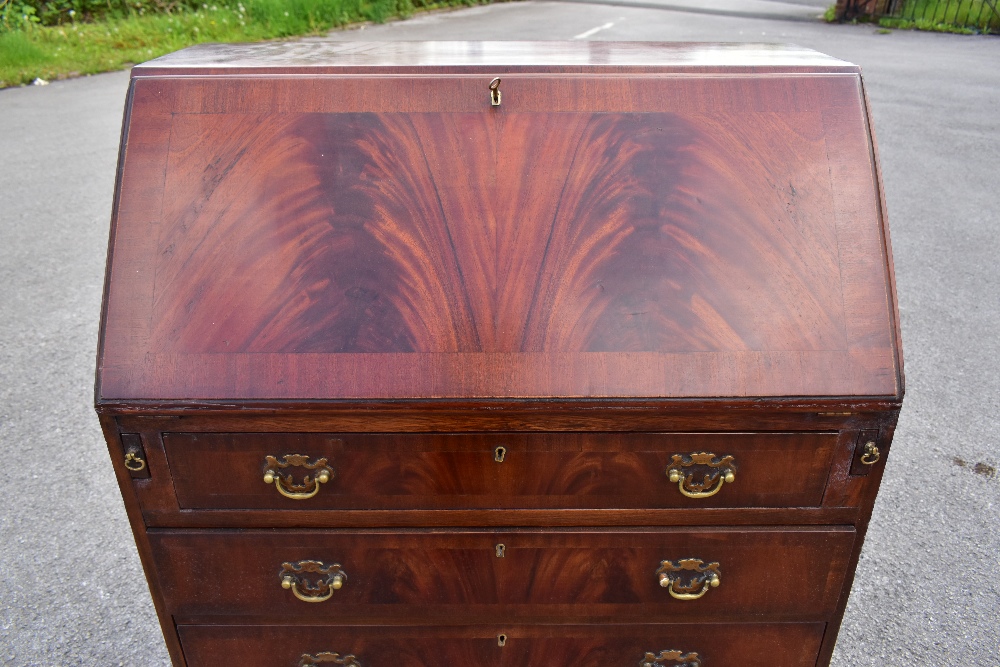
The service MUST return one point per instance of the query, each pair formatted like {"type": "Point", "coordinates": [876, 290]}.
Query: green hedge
{"type": "Point", "coordinates": [942, 14]}
{"type": "Point", "coordinates": [287, 17]}
{"type": "Point", "coordinates": [57, 12]}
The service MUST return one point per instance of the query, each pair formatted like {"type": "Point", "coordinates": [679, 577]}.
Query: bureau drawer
{"type": "Point", "coordinates": [647, 574]}
{"type": "Point", "coordinates": [507, 470]}
{"type": "Point", "coordinates": [497, 645]}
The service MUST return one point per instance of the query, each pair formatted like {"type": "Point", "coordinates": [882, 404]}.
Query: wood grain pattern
{"type": "Point", "coordinates": [786, 574]}
{"type": "Point", "coordinates": [383, 235]}
{"type": "Point", "coordinates": [552, 470]}
{"type": "Point", "coordinates": [616, 250]}
{"type": "Point", "coordinates": [749, 645]}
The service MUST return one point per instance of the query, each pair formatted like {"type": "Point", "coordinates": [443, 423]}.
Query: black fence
{"type": "Point", "coordinates": [981, 15]}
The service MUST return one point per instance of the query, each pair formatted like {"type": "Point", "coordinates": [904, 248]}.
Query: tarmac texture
{"type": "Point", "coordinates": [72, 591]}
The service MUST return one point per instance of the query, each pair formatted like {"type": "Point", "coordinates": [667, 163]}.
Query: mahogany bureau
{"type": "Point", "coordinates": [499, 354]}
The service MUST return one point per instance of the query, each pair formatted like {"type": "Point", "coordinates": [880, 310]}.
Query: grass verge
{"type": "Point", "coordinates": [57, 52]}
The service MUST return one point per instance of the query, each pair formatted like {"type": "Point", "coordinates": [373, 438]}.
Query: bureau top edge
{"type": "Point", "coordinates": [831, 407]}
{"type": "Point", "coordinates": [310, 58]}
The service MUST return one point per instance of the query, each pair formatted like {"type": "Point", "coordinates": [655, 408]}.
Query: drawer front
{"type": "Point", "coordinates": [513, 470]}
{"type": "Point", "coordinates": [717, 645]}
{"type": "Point", "coordinates": [647, 574]}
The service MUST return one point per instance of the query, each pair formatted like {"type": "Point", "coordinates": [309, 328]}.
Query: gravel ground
{"type": "Point", "coordinates": [71, 588]}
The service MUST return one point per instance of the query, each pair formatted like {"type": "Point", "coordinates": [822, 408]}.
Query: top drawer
{"type": "Point", "coordinates": [498, 470]}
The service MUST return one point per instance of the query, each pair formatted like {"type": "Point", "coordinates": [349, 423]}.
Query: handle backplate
{"type": "Point", "coordinates": [671, 658]}
{"type": "Point", "coordinates": [311, 580]}
{"type": "Point", "coordinates": [280, 473]}
{"type": "Point", "coordinates": [701, 474]}
{"type": "Point", "coordinates": [688, 578]}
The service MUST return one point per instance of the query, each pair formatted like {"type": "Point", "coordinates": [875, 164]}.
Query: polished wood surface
{"type": "Point", "coordinates": [638, 236]}
{"type": "Point", "coordinates": [750, 645]}
{"type": "Point", "coordinates": [452, 471]}
{"type": "Point", "coordinates": [789, 574]}
{"type": "Point", "coordinates": [502, 57]}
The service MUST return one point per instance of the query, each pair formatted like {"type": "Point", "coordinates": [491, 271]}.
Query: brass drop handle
{"type": "Point", "coordinates": [325, 658]}
{"type": "Point", "coordinates": [688, 578]}
{"type": "Point", "coordinates": [336, 583]}
{"type": "Point", "coordinates": [134, 462]}
{"type": "Point", "coordinates": [678, 477]}
{"type": "Point", "coordinates": [871, 454]}
{"type": "Point", "coordinates": [701, 474]}
{"type": "Point", "coordinates": [668, 583]}
{"type": "Point", "coordinates": [322, 477]}
{"type": "Point", "coordinates": [285, 482]}
{"type": "Point", "coordinates": [295, 577]}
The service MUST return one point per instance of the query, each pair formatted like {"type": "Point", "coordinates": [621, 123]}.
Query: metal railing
{"type": "Point", "coordinates": [981, 15]}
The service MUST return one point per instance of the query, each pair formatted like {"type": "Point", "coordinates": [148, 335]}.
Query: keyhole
{"type": "Point", "coordinates": [500, 550]}
{"type": "Point", "coordinates": [499, 454]}
{"type": "Point", "coordinates": [501, 640]}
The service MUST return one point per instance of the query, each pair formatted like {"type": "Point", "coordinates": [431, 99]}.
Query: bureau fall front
{"type": "Point", "coordinates": [503, 354]}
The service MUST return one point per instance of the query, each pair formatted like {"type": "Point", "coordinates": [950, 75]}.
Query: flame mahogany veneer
{"type": "Point", "coordinates": [502, 334]}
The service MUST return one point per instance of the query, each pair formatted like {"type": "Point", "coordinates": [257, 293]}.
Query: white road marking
{"type": "Point", "coordinates": [594, 31]}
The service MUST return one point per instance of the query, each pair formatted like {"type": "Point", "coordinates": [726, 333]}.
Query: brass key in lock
{"type": "Point", "coordinates": [495, 92]}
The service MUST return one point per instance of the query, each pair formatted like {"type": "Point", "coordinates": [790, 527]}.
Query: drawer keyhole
{"type": "Point", "coordinates": [501, 640]}
{"type": "Point", "coordinates": [499, 454]}
{"type": "Point", "coordinates": [501, 549]}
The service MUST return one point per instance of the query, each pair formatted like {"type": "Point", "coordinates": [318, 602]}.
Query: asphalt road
{"type": "Point", "coordinates": [927, 593]}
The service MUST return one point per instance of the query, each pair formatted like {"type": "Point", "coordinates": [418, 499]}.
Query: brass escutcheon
{"type": "Point", "coordinates": [328, 658]}
{"type": "Point", "coordinates": [134, 462]}
{"type": "Point", "coordinates": [501, 640]}
{"type": "Point", "coordinates": [499, 454]}
{"type": "Point", "coordinates": [871, 455]}
{"type": "Point", "coordinates": [672, 576]}
{"type": "Point", "coordinates": [501, 550]}
{"type": "Point", "coordinates": [285, 482]}
{"type": "Point", "coordinates": [495, 92]}
{"type": "Point", "coordinates": [715, 471]}
{"type": "Point", "coordinates": [672, 658]}
{"type": "Point", "coordinates": [293, 577]}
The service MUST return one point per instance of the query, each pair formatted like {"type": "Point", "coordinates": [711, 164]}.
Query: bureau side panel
{"type": "Point", "coordinates": [127, 486]}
